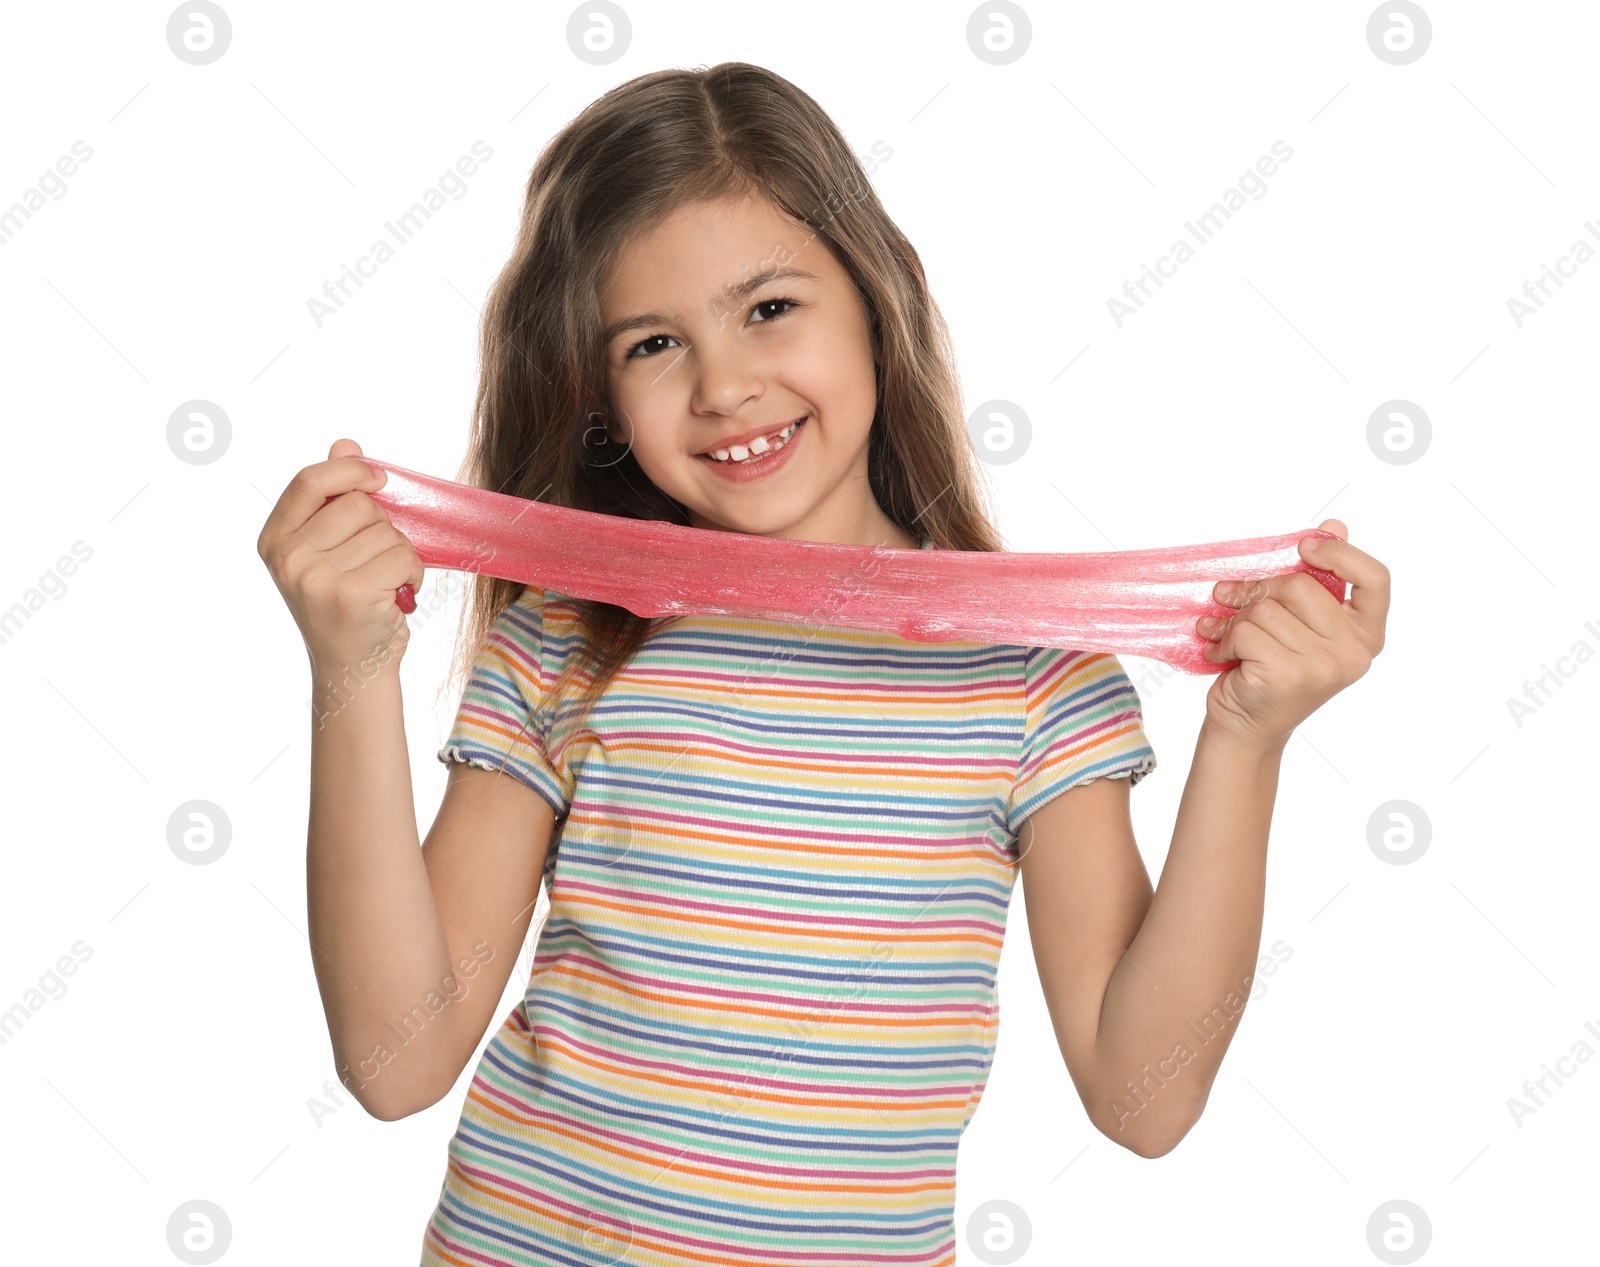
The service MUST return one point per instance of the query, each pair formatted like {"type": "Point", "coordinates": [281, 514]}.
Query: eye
{"type": "Point", "coordinates": [766, 302]}
{"type": "Point", "coordinates": [635, 352]}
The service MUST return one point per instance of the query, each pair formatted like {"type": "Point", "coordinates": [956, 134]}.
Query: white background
{"type": "Point", "coordinates": [1378, 1063]}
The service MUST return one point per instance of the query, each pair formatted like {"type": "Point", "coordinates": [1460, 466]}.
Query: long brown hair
{"type": "Point", "coordinates": [626, 163]}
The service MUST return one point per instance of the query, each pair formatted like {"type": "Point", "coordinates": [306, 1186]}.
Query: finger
{"type": "Point", "coordinates": [1243, 640]}
{"type": "Point", "coordinates": [373, 559]}
{"type": "Point", "coordinates": [311, 488]}
{"type": "Point", "coordinates": [1253, 643]}
{"type": "Point", "coordinates": [1368, 578]}
{"type": "Point", "coordinates": [360, 548]}
{"type": "Point", "coordinates": [389, 569]}
{"type": "Point", "coordinates": [1278, 622]}
{"type": "Point", "coordinates": [1302, 595]}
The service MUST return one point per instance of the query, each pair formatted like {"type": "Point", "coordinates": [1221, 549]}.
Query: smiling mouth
{"type": "Point", "coordinates": [761, 446]}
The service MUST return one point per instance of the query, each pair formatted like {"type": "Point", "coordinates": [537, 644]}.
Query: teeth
{"type": "Point", "coordinates": [756, 447]}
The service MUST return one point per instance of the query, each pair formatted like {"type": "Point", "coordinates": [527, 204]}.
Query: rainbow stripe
{"type": "Point", "coordinates": [763, 1003]}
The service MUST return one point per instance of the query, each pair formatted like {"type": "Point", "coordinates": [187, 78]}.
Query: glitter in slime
{"type": "Point", "coordinates": [1126, 602]}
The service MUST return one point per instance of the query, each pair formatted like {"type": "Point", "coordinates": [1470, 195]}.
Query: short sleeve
{"type": "Point", "coordinates": [500, 724]}
{"type": "Point", "coordinates": [1082, 720]}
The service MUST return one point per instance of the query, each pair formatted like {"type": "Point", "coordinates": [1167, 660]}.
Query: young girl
{"type": "Point", "coordinates": [779, 856]}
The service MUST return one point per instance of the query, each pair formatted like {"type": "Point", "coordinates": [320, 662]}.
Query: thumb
{"type": "Point", "coordinates": [344, 449]}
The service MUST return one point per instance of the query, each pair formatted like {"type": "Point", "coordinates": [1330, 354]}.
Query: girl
{"type": "Point", "coordinates": [778, 856]}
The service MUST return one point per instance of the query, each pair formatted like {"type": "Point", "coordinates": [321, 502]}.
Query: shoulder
{"type": "Point", "coordinates": [1050, 666]}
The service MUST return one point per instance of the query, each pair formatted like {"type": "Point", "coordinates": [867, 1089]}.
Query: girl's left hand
{"type": "Point", "coordinates": [1297, 645]}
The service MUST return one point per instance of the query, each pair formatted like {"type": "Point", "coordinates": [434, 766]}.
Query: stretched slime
{"type": "Point", "coordinates": [1127, 602]}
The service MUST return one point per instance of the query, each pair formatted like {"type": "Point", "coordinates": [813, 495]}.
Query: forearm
{"type": "Point", "coordinates": [1175, 998]}
{"type": "Point", "coordinates": [377, 943]}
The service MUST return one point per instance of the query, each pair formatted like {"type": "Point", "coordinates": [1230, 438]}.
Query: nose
{"type": "Point", "coordinates": [725, 376]}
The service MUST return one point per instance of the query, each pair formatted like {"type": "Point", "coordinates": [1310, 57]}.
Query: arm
{"type": "Point", "coordinates": [1145, 990]}
{"type": "Point", "coordinates": [412, 947]}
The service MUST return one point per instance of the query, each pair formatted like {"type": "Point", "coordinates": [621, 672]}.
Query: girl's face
{"type": "Point", "coordinates": [729, 321]}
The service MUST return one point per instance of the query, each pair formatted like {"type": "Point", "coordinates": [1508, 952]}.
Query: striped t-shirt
{"type": "Point", "coordinates": [763, 1006]}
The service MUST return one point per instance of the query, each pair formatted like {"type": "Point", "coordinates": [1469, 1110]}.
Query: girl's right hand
{"type": "Point", "coordinates": [338, 562]}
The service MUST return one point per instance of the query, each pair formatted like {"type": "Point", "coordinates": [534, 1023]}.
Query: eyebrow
{"type": "Point", "coordinates": [732, 293]}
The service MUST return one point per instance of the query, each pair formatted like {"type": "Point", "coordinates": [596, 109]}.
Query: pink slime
{"type": "Point", "coordinates": [1127, 602]}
